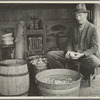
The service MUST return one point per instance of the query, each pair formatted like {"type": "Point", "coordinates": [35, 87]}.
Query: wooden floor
{"type": "Point", "coordinates": [93, 91]}
{"type": "Point", "coordinates": [85, 90]}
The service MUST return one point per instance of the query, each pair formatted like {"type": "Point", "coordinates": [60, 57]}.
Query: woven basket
{"type": "Point", "coordinates": [37, 68]}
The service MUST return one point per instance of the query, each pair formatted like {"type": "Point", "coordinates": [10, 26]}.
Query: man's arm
{"type": "Point", "coordinates": [93, 43]}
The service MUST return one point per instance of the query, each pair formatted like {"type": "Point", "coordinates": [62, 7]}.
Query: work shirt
{"type": "Point", "coordinates": [78, 46]}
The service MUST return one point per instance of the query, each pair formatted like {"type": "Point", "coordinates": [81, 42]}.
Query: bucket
{"type": "Point", "coordinates": [34, 68]}
{"type": "Point", "coordinates": [52, 82]}
{"type": "Point", "coordinates": [7, 35]}
{"type": "Point", "coordinates": [7, 39]}
{"type": "Point", "coordinates": [33, 62]}
{"type": "Point", "coordinates": [38, 63]}
{"type": "Point", "coordinates": [14, 78]}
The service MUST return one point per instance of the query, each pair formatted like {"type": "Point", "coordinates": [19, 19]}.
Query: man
{"type": "Point", "coordinates": [83, 45]}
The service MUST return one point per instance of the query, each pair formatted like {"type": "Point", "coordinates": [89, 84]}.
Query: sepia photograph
{"type": "Point", "coordinates": [50, 49]}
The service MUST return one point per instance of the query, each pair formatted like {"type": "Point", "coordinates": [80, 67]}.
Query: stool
{"type": "Point", "coordinates": [90, 79]}
{"type": "Point", "coordinates": [96, 72]}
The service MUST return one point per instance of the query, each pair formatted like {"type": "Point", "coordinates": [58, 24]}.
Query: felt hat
{"type": "Point", "coordinates": [81, 8]}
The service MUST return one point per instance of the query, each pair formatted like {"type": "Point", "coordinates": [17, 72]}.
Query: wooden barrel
{"type": "Point", "coordinates": [14, 78]}
{"type": "Point", "coordinates": [47, 88]}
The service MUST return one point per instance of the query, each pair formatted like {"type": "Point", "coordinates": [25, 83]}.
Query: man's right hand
{"type": "Point", "coordinates": [67, 55]}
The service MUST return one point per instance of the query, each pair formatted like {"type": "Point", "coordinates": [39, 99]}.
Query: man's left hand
{"type": "Point", "coordinates": [77, 55]}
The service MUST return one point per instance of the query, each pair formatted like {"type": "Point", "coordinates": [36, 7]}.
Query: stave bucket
{"type": "Point", "coordinates": [14, 78]}
{"type": "Point", "coordinates": [59, 88]}
{"type": "Point", "coordinates": [7, 39]}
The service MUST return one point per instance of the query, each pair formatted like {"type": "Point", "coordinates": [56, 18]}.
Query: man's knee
{"type": "Point", "coordinates": [50, 53]}
{"type": "Point", "coordinates": [91, 61]}
{"type": "Point", "coordinates": [92, 58]}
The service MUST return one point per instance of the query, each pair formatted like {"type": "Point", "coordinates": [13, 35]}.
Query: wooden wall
{"type": "Point", "coordinates": [15, 12]}
{"type": "Point", "coordinates": [97, 20]}
{"type": "Point", "coordinates": [50, 14]}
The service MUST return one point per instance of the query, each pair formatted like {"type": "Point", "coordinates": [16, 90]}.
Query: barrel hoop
{"type": "Point", "coordinates": [9, 65]}
{"type": "Point", "coordinates": [23, 74]}
{"type": "Point", "coordinates": [15, 95]}
{"type": "Point", "coordinates": [58, 91]}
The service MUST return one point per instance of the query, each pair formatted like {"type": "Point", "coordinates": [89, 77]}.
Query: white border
{"type": "Point", "coordinates": [49, 97]}
{"type": "Point", "coordinates": [50, 2]}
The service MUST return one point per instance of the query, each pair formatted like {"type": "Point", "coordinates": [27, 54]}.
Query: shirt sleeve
{"type": "Point", "coordinates": [93, 48]}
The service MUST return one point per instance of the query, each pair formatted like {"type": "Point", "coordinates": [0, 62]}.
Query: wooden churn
{"type": "Point", "coordinates": [19, 41]}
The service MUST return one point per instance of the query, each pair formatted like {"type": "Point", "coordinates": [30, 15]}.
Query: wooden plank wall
{"type": "Point", "coordinates": [97, 20]}
{"type": "Point", "coordinates": [15, 12]}
{"type": "Point", "coordinates": [50, 14]}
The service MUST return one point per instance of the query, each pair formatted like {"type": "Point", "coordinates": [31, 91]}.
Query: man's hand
{"type": "Point", "coordinates": [77, 55]}
{"type": "Point", "coordinates": [67, 55]}
{"type": "Point", "coordinates": [73, 55]}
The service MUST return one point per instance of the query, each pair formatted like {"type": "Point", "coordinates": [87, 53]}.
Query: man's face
{"type": "Point", "coordinates": [81, 18]}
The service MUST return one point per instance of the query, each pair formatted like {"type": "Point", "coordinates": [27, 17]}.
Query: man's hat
{"type": "Point", "coordinates": [81, 8]}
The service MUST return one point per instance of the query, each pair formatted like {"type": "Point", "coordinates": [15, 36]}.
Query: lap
{"type": "Point", "coordinates": [86, 62]}
{"type": "Point", "coordinates": [90, 61]}
{"type": "Point", "coordinates": [58, 55]}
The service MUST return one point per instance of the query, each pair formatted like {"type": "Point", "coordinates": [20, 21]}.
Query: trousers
{"type": "Point", "coordinates": [56, 59]}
